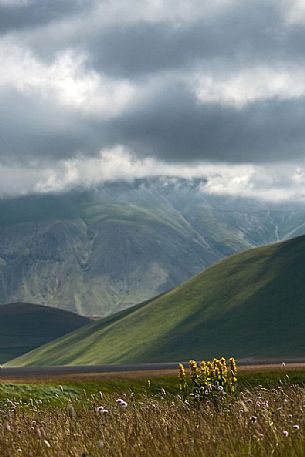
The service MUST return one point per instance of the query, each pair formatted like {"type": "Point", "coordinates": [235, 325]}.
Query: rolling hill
{"type": "Point", "coordinates": [101, 251]}
{"type": "Point", "coordinates": [250, 305]}
{"type": "Point", "coordinates": [24, 326]}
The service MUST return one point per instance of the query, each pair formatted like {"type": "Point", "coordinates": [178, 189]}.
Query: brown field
{"type": "Point", "coordinates": [136, 374]}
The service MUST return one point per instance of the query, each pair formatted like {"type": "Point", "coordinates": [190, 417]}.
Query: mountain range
{"type": "Point", "coordinates": [251, 305]}
{"type": "Point", "coordinates": [100, 251]}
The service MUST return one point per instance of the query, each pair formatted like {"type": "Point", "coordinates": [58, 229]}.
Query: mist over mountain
{"type": "Point", "coordinates": [100, 251]}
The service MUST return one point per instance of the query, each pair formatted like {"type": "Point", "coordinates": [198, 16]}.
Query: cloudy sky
{"type": "Point", "coordinates": [92, 90]}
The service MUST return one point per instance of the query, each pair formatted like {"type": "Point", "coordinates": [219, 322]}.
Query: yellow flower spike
{"type": "Point", "coordinates": [216, 373]}
{"type": "Point", "coordinates": [209, 368]}
{"type": "Point", "coordinates": [203, 367]}
{"type": "Point", "coordinates": [233, 375]}
{"type": "Point", "coordinates": [181, 374]}
{"type": "Point", "coordinates": [203, 372]}
{"type": "Point", "coordinates": [233, 364]}
{"type": "Point", "coordinates": [211, 371]}
{"type": "Point", "coordinates": [193, 370]}
{"type": "Point", "coordinates": [222, 372]}
{"type": "Point", "coordinates": [212, 376]}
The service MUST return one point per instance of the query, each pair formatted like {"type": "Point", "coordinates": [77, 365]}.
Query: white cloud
{"type": "Point", "coordinates": [66, 79]}
{"type": "Point", "coordinates": [281, 182]}
{"type": "Point", "coordinates": [294, 11]}
{"type": "Point", "coordinates": [251, 84]}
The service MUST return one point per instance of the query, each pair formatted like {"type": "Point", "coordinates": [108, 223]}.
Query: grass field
{"type": "Point", "coordinates": [62, 417]}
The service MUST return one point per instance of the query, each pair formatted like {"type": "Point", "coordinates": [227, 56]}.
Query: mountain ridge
{"type": "Point", "coordinates": [97, 252]}
{"type": "Point", "coordinates": [251, 305]}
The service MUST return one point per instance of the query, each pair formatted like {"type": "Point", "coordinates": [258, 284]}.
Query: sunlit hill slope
{"type": "Point", "coordinates": [251, 305]}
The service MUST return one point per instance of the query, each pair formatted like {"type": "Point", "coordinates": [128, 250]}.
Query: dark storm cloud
{"type": "Point", "coordinates": [32, 128]}
{"type": "Point", "coordinates": [171, 126]}
{"type": "Point", "coordinates": [253, 31]}
{"type": "Point", "coordinates": [174, 127]}
{"type": "Point", "coordinates": [168, 122]}
{"type": "Point", "coordinates": [14, 17]}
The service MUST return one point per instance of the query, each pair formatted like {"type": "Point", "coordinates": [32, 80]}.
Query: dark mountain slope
{"type": "Point", "coordinates": [24, 326]}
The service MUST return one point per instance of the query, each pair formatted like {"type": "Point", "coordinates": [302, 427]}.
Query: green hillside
{"type": "Point", "coordinates": [24, 326]}
{"type": "Point", "coordinates": [250, 305]}
{"type": "Point", "coordinates": [100, 251]}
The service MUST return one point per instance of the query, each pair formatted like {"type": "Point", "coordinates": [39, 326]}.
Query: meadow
{"type": "Point", "coordinates": [125, 416]}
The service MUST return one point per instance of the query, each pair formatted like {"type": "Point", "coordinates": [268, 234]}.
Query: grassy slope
{"type": "Point", "coordinates": [24, 326]}
{"type": "Point", "coordinates": [249, 305]}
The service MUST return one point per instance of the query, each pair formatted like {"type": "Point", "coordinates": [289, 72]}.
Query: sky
{"type": "Point", "coordinates": [95, 90]}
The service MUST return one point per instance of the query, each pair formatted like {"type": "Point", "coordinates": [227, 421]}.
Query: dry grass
{"type": "Point", "coordinates": [253, 424]}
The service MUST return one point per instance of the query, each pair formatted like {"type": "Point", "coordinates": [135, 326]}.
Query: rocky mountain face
{"type": "Point", "coordinates": [101, 251]}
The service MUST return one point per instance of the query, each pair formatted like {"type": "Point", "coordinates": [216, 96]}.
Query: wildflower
{"type": "Point", "coordinates": [223, 371]}
{"type": "Point", "coordinates": [216, 373]}
{"type": "Point", "coordinates": [121, 402]}
{"type": "Point", "coordinates": [181, 374]}
{"type": "Point", "coordinates": [296, 427]}
{"type": "Point", "coordinates": [233, 377]}
{"type": "Point", "coordinates": [203, 371]}
{"type": "Point", "coordinates": [211, 372]}
{"type": "Point", "coordinates": [193, 370]}
{"type": "Point", "coordinates": [285, 433]}
{"type": "Point", "coordinates": [101, 410]}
